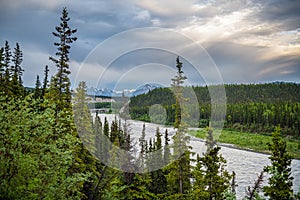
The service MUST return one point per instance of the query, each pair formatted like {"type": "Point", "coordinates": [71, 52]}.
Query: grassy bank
{"type": "Point", "coordinates": [249, 141]}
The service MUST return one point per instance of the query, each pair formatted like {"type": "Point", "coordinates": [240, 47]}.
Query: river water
{"type": "Point", "coordinates": [246, 164]}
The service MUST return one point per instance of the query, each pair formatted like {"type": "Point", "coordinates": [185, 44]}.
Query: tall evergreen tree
{"type": "Point", "coordinates": [45, 82]}
{"type": "Point", "coordinates": [176, 85]}
{"type": "Point", "coordinates": [83, 121]}
{"type": "Point", "coordinates": [59, 96]}
{"type": "Point", "coordinates": [82, 116]}
{"type": "Point", "coordinates": [61, 82]}
{"type": "Point", "coordinates": [106, 128]}
{"type": "Point", "coordinates": [142, 145]}
{"type": "Point", "coordinates": [98, 131]}
{"type": "Point", "coordinates": [114, 130]}
{"type": "Point", "coordinates": [158, 184]}
{"type": "Point", "coordinates": [17, 72]}
{"type": "Point", "coordinates": [17, 61]}
{"type": "Point", "coordinates": [2, 69]}
{"type": "Point", "coordinates": [37, 89]}
{"type": "Point", "coordinates": [280, 181]}
{"type": "Point", "coordinates": [167, 153]}
{"type": "Point", "coordinates": [7, 55]}
{"type": "Point", "coordinates": [180, 170]}
{"type": "Point", "coordinates": [8, 71]}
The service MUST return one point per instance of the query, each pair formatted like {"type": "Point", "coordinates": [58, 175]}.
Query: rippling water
{"type": "Point", "coordinates": [247, 165]}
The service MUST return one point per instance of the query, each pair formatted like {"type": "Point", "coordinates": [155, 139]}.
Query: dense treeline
{"type": "Point", "coordinates": [49, 141]}
{"type": "Point", "coordinates": [254, 107]}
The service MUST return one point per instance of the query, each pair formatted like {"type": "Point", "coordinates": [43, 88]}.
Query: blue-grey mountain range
{"type": "Point", "coordinates": [106, 92]}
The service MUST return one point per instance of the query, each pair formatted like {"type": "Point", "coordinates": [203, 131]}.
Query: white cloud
{"type": "Point", "coordinates": [168, 8]}
{"type": "Point", "coordinates": [143, 15]}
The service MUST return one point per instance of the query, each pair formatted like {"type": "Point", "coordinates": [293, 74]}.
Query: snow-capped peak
{"type": "Point", "coordinates": [106, 92]}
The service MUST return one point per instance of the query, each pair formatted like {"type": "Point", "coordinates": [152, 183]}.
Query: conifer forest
{"type": "Point", "coordinates": [53, 147]}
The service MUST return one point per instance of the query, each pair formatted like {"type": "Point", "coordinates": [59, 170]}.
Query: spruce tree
{"type": "Point", "coordinates": [211, 178]}
{"type": "Point", "coordinates": [167, 153]}
{"type": "Point", "coordinates": [114, 131]}
{"type": "Point", "coordinates": [61, 82]}
{"type": "Point", "coordinates": [17, 72]}
{"type": "Point", "coordinates": [45, 82]}
{"type": "Point", "coordinates": [158, 183]}
{"type": "Point", "coordinates": [83, 121]}
{"type": "Point", "coordinates": [59, 98]}
{"type": "Point", "coordinates": [82, 116]}
{"type": "Point", "coordinates": [176, 85]}
{"type": "Point", "coordinates": [37, 89]}
{"type": "Point", "coordinates": [2, 70]}
{"type": "Point", "coordinates": [180, 170]}
{"type": "Point", "coordinates": [8, 71]}
{"type": "Point", "coordinates": [142, 145]}
{"type": "Point", "coordinates": [280, 181]}
{"type": "Point", "coordinates": [106, 128]}
{"type": "Point", "coordinates": [16, 68]}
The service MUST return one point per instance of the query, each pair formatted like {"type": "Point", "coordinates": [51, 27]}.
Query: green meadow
{"type": "Point", "coordinates": [250, 141]}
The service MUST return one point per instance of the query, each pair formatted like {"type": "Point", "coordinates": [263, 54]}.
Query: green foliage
{"type": "Point", "coordinates": [2, 69]}
{"type": "Point", "coordinates": [11, 71]}
{"type": "Point", "coordinates": [42, 157]}
{"type": "Point", "coordinates": [216, 178]}
{"type": "Point", "coordinates": [34, 162]}
{"type": "Point", "coordinates": [37, 89]}
{"type": "Point", "coordinates": [45, 82]}
{"type": "Point", "coordinates": [82, 114]}
{"type": "Point", "coordinates": [17, 71]}
{"type": "Point", "coordinates": [253, 108]}
{"type": "Point", "coordinates": [8, 71]}
{"type": "Point", "coordinates": [167, 153]}
{"type": "Point", "coordinates": [98, 105]}
{"type": "Point", "coordinates": [228, 195]}
{"type": "Point", "coordinates": [212, 181]}
{"type": "Point", "coordinates": [180, 169]}
{"type": "Point", "coordinates": [83, 120]}
{"type": "Point", "coordinates": [250, 141]}
{"type": "Point", "coordinates": [280, 182]}
{"type": "Point", "coordinates": [143, 148]}
{"type": "Point", "coordinates": [158, 183]}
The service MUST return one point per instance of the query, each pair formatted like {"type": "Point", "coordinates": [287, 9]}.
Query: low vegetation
{"type": "Point", "coordinates": [250, 141]}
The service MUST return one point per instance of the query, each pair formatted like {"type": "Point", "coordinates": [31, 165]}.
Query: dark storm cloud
{"type": "Point", "coordinates": [244, 63]}
{"type": "Point", "coordinates": [31, 24]}
{"type": "Point", "coordinates": [286, 13]}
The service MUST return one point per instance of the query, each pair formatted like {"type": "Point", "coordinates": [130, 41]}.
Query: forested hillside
{"type": "Point", "coordinates": [253, 107]}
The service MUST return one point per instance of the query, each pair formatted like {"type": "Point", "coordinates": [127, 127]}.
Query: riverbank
{"type": "Point", "coordinates": [248, 141]}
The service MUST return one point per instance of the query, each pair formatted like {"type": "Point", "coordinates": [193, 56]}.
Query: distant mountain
{"type": "Point", "coordinates": [145, 89]}
{"type": "Point", "coordinates": [128, 93]}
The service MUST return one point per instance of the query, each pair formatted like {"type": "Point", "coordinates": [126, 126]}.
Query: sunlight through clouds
{"type": "Point", "coordinates": [253, 35]}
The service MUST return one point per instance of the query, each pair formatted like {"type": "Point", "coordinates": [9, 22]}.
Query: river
{"type": "Point", "coordinates": [246, 164]}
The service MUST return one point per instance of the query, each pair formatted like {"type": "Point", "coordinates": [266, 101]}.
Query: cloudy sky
{"type": "Point", "coordinates": [243, 41]}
